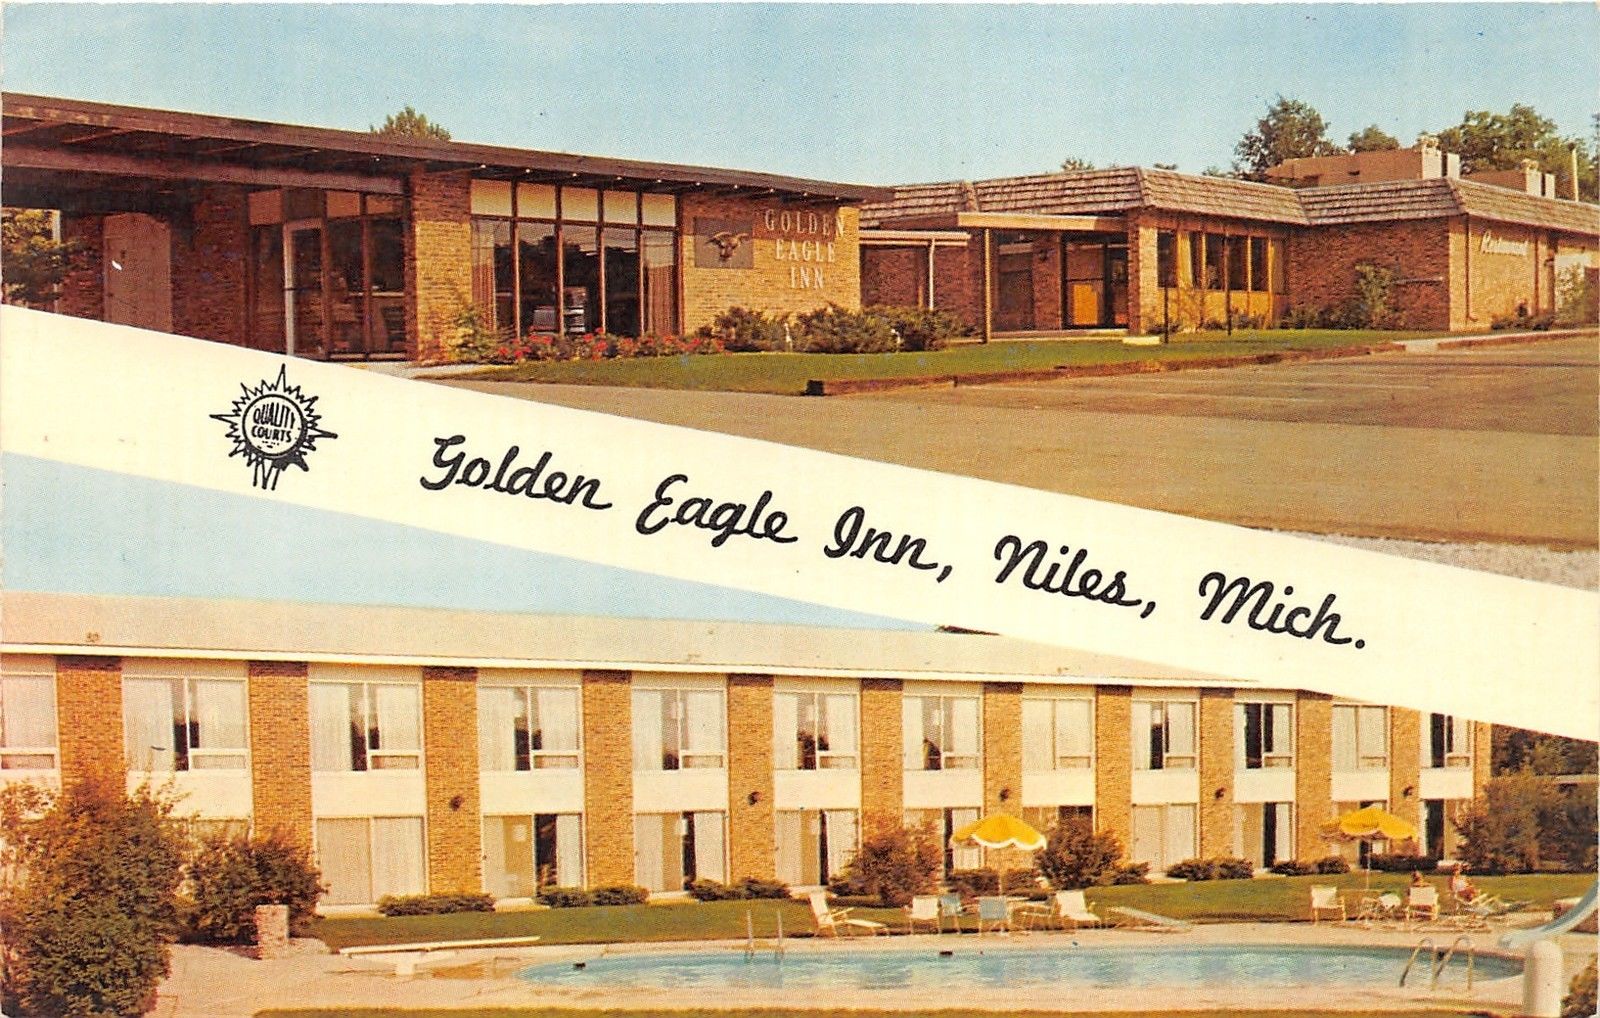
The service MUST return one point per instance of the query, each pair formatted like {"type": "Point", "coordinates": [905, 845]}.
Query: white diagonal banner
{"type": "Point", "coordinates": [1218, 600]}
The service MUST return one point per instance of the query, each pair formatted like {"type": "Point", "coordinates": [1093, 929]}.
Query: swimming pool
{"type": "Point", "coordinates": [1260, 966]}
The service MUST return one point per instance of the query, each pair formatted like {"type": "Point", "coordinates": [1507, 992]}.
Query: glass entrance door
{"type": "Point", "coordinates": [1094, 284]}
{"type": "Point", "coordinates": [305, 324]}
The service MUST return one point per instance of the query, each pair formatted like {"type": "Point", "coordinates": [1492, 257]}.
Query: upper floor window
{"type": "Point", "coordinates": [940, 732]}
{"type": "Point", "coordinates": [674, 729]}
{"type": "Point", "coordinates": [523, 728]}
{"type": "Point", "coordinates": [360, 726]}
{"type": "Point", "coordinates": [1263, 735]}
{"type": "Point", "coordinates": [28, 718]}
{"type": "Point", "coordinates": [1449, 742]}
{"type": "Point", "coordinates": [812, 731]}
{"type": "Point", "coordinates": [184, 722]}
{"type": "Point", "coordinates": [1163, 735]}
{"type": "Point", "coordinates": [1360, 737]}
{"type": "Point", "coordinates": [1057, 733]}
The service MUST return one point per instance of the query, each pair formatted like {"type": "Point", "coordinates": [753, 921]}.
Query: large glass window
{"type": "Point", "coordinates": [359, 726]}
{"type": "Point", "coordinates": [1163, 835]}
{"type": "Point", "coordinates": [1057, 734]}
{"type": "Point", "coordinates": [523, 728]}
{"type": "Point", "coordinates": [814, 846]}
{"type": "Point", "coordinates": [1216, 257]}
{"type": "Point", "coordinates": [1360, 737]}
{"type": "Point", "coordinates": [940, 732]}
{"type": "Point", "coordinates": [1163, 735]}
{"type": "Point", "coordinates": [622, 279]}
{"type": "Point", "coordinates": [1238, 263]}
{"type": "Point", "coordinates": [28, 718]}
{"type": "Point", "coordinates": [659, 270]}
{"type": "Point", "coordinates": [1197, 254]}
{"type": "Point", "coordinates": [180, 724]}
{"type": "Point", "coordinates": [672, 850]}
{"type": "Point", "coordinates": [522, 854]}
{"type": "Point", "coordinates": [814, 731]}
{"type": "Point", "coordinates": [1449, 742]}
{"type": "Point", "coordinates": [1258, 264]}
{"type": "Point", "coordinates": [1263, 832]}
{"type": "Point", "coordinates": [581, 264]}
{"type": "Point", "coordinates": [1166, 258]}
{"type": "Point", "coordinates": [1279, 266]}
{"type": "Point", "coordinates": [1263, 735]}
{"type": "Point", "coordinates": [364, 858]}
{"type": "Point", "coordinates": [492, 289]}
{"type": "Point", "coordinates": [675, 729]}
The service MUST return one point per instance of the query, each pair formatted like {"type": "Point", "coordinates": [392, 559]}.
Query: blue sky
{"type": "Point", "coordinates": [862, 93]}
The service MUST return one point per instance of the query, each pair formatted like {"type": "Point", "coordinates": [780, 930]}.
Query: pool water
{"type": "Point", "coordinates": [971, 967]}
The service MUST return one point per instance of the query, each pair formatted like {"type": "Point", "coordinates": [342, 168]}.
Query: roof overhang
{"type": "Point", "coordinates": [913, 238]}
{"type": "Point", "coordinates": [1013, 221]}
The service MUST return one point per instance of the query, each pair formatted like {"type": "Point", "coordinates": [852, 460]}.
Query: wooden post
{"type": "Point", "coordinates": [931, 247]}
{"type": "Point", "coordinates": [988, 286]}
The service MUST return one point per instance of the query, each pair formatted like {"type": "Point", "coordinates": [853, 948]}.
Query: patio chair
{"type": "Point", "coordinates": [950, 908]}
{"type": "Point", "coordinates": [831, 920]}
{"type": "Point", "coordinates": [1326, 898]}
{"type": "Point", "coordinates": [1422, 903]}
{"type": "Point", "coordinates": [1138, 918]}
{"type": "Point", "coordinates": [1384, 908]}
{"type": "Point", "coordinates": [993, 913]}
{"type": "Point", "coordinates": [1066, 909]}
{"type": "Point", "coordinates": [924, 908]}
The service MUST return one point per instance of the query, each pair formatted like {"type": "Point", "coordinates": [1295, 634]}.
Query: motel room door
{"type": "Point", "coordinates": [138, 271]}
{"type": "Point", "coordinates": [304, 286]}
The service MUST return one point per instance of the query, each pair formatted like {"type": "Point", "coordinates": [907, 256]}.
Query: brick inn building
{"type": "Point", "coordinates": [340, 244]}
{"type": "Point", "coordinates": [418, 750]}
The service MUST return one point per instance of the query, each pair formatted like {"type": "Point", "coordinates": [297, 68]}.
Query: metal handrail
{"type": "Point", "coordinates": [1433, 953]}
{"type": "Point", "coordinates": [1441, 962]}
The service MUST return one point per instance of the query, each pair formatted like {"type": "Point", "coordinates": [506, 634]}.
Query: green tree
{"type": "Point", "coordinates": [89, 903]}
{"type": "Point", "coordinates": [408, 123]}
{"type": "Point", "coordinates": [1500, 141]}
{"type": "Point", "coordinates": [894, 865]}
{"type": "Point", "coordinates": [34, 262]}
{"type": "Point", "coordinates": [1373, 138]}
{"type": "Point", "coordinates": [1290, 130]}
{"type": "Point", "coordinates": [1500, 828]}
{"type": "Point", "coordinates": [1071, 163]}
{"type": "Point", "coordinates": [1076, 855]}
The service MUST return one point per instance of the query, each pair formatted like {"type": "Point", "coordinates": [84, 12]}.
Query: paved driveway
{"type": "Point", "coordinates": [1495, 443]}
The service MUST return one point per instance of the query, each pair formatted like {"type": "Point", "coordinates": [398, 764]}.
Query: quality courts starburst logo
{"type": "Point", "coordinates": [273, 425]}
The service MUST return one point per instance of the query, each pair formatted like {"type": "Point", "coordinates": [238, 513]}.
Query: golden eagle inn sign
{"type": "Point", "coordinates": [804, 242]}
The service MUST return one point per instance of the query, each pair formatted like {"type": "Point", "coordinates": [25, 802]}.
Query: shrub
{"type": "Point", "coordinates": [1575, 296]}
{"type": "Point", "coordinates": [476, 340]}
{"type": "Point", "coordinates": [564, 897]}
{"type": "Point", "coordinates": [711, 890]}
{"type": "Point", "coordinates": [230, 876]}
{"type": "Point", "coordinates": [1193, 870]}
{"type": "Point", "coordinates": [743, 330]}
{"type": "Point", "coordinates": [1131, 873]}
{"type": "Point", "coordinates": [921, 328]}
{"type": "Point", "coordinates": [90, 904]}
{"type": "Point", "coordinates": [1500, 829]}
{"type": "Point", "coordinates": [1331, 865]}
{"type": "Point", "coordinates": [755, 887]}
{"type": "Point", "coordinates": [1294, 868]}
{"type": "Point", "coordinates": [1371, 308]}
{"type": "Point", "coordinates": [1580, 999]}
{"type": "Point", "coordinates": [621, 894]}
{"type": "Point", "coordinates": [895, 864]}
{"type": "Point", "coordinates": [434, 904]}
{"type": "Point", "coordinates": [1302, 317]}
{"type": "Point", "coordinates": [835, 330]}
{"type": "Point", "coordinates": [1019, 881]}
{"type": "Point", "coordinates": [1076, 855]}
{"type": "Point", "coordinates": [1402, 863]}
{"type": "Point", "coordinates": [1233, 869]}
{"type": "Point", "coordinates": [973, 883]}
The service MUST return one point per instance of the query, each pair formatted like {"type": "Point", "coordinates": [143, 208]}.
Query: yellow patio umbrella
{"type": "Point", "coordinates": [1000, 830]}
{"type": "Point", "coordinates": [1370, 823]}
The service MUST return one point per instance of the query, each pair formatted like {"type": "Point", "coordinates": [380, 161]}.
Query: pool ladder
{"type": "Point", "coordinates": [1438, 961]}
{"type": "Point", "coordinates": [751, 946]}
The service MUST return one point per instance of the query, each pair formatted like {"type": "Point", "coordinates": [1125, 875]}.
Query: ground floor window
{"type": "Point", "coordinates": [364, 858]}
{"type": "Point", "coordinates": [1044, 818]}
{"type": "Point", "coordinates": [1263, 832]}
{"type": "Point", "coordinates": [1163, 835]}
{"type": "Point", "coordinates": [672, 850]}
{"type": "Point", "coordinates": [944, 823]}
{"type": "Point", "coordinates": [1439, 835]}
{"type": "Point", "coordinates": [814, 846]}
{"type": "Point", "coordinates": [522, 854]}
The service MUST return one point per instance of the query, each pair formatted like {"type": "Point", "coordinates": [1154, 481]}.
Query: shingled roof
{"type": "Point", "coordinates": [1084, 192]}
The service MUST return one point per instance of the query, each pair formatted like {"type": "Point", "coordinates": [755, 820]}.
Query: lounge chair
{"type": "Point", "coordinates": [1138, 918]}
{"type": "Point", "coordinates": [993, 914]}
{"type": "Point", "coordinates": [1476, 913]}
{"type": "Point", "coordinates": [831, 920]}
{"type": "Point", "coordinates": [924, 908]}
{"type": "Point", "coordinates": [950, 908]}
{"type": "Point", "coordinates": [1326, 898]}
{"type": "Point", "coordinates": [1385, 908]}
{"type": "Point", "coordinates": [1422, 903]}
{"type": "Point", "coordinates": [1067, 909]}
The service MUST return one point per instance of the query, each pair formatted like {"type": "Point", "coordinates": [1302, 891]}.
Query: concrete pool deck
{"type": "Point", "coordinates": [217, 983]}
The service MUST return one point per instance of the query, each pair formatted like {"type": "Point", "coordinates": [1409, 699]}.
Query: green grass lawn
{"type": "Point", "coordinates": [1264, 899]}
{"type": "Point", "coordinates": [787, 373]}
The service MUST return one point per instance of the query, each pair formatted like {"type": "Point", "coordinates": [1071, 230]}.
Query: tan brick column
{"type": "Point", "coordinates": [1482, 755]}
{"type": "Point", "coordinates": [1405, 766]}
{"type": "Point", "coordinates": [752, 837]}
{"type": "Point", "coordinates": [1113, 762]}
{"type": "Point", "coordinates": [450, 743]}
{"type": "Point", "coordinates": [280, 750]}
{"type": "Point", "coordinates": [1002, 763]}
{"type": "Point", "coordinates": [882, 766]}
{"type": "Point", "coordinates": [608, 776]}
{"type": "Point", "coordinates": [1216, 772]}
{"type": "Point", "coordinates": [1313, 773]}
{"type": "Point", "coordinates": [89, 716]}
{"type": "Point", "coordinates": [438, 259]}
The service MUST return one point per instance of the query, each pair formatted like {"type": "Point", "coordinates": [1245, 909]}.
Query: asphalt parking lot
{"type": "Point", "coordinates": [1488, 444]}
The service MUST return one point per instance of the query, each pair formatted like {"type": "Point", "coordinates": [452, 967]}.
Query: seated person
{"type": "Point", "coordinates": [1460, 886]}
{"type": "Point", "coordinates": [1417, 879]}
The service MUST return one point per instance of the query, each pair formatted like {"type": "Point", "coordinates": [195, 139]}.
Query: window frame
{"type": "Point", "coordinates": [1167, 259]}
{"type": "Point", "coordinates": [37, 673]}
{"type": "Point", "coordinates": [680, 696]}
{"type": "Point", "coordinates": [1056, 754]}
{"type": "Point", "coordinates": [182, 688]}
{"type": "Point", "coordinates": [1284, 757]}
{"type": "Point", "coordinates": [1167, 755]}
{"type": "Point", "coordinates": [942, 752]}
{"type": "Point", "coordinates": [364, 764]}
{"type": "Point", "coordinates": [527, 694]}
{"type": "Point", "coordinates": [1453, 756]}
{"type": "Point", "coordinates": [821, 759]}
{"type": "Point", "coordinates": [1360, 710]}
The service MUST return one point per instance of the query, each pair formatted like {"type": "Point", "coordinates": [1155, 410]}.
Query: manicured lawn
{"type": "Point", "coordinates": [787, 373]}
{"type": "Point", "coordinates": [1261, 900]}
{"type": "Point", "coordinates": [611, 1012]}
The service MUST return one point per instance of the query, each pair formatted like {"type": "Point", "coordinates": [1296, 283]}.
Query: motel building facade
{"type": "Point", "coordinates": [417, 750]}
{"type": "Point", "coordinates": [348, 245]}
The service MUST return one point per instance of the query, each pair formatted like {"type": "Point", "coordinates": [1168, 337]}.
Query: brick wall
{"type": "Point", "coordinates": [1496, 283]}
{"type": "Point", "coordinates": [1313, 773]}
{"type": "Point", "coordinates": [882, 767]}
{"type": "Point", "coordinates": [89, 716]}
{"type": "Point", "coordinates": [209, 262]}
{"type": "Point", "coordinates": [1002, 763]}
{"type": "Point", "coordinates": [608, 776]}
{"type": "Point", "coordinates": [752, 837]}
{"type": "Point", "coordinates": [1322, 267]}
{"type": "Point", "coordinates": [1113, 761]}
{"type": "Point", "coordinates": [895, 275]}
{"type": "Point", "coordinates": [1482, 755]}
{"type": "Point", "coordinates": [1405, 764]}
{"type": "Point", "coordinates": [83, 289]}
{"type": "Point", "coordinates": [450, 739]}
{"type": "Point", "coordinates": [1216, 772]}
{"type": "Point", "coordinates": [438, 255]}
{"type": "Point", "coordinates": [776, 281]}
{"type": "Point", "coordinates": [1047, 281]}
{"type": "Point", "coordinates": [280, 753]}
